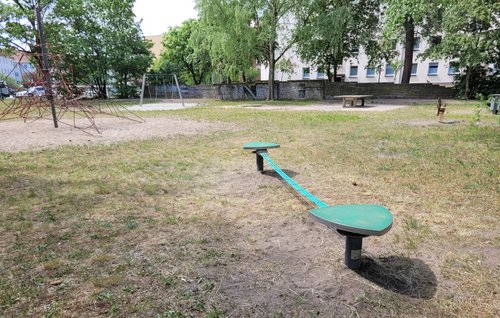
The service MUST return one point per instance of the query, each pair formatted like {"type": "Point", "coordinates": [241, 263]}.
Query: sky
{"type": "Point", "coordinates": [158, 15]}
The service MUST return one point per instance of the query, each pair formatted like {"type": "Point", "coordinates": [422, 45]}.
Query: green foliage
{"type": "Point", "coordinates": [185, 54]}
{"type": "Point", "coordinates": [330, 31]}
{"type": "Point", "coordinates": [101, 38]}
{"type": "Point", "coordinates": [481, 82]}
{"type": "Point", "coordinates": [248, 31]}
{"type": "Point", "coordinates": [402, 19]}
{"type": "Point", "coordinates": [98, 40]}
{"type": "Point", "coordinates": [231, 38]}
{"type": "Point", "coordinates": [18, 25]}
{"type": "Point", "coordinates": [471, 39]}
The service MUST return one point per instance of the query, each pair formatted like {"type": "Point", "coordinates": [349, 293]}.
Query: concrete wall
{"type": "Point", "coordinates": [307, 90]}
{"type": "Point", "coordinates": [388, 90]}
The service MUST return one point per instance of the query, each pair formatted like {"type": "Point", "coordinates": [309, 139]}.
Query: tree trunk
{"type": "Point", "coordinates": [272, 62]}
{"type": "Point", "coordinates": [409, 42]}
{"type": "Point", "coordinates": [467, 82]}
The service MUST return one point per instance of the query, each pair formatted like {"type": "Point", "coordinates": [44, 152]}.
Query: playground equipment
{"type": "Point", "coordinates": [440, 110]}
{"type": "Point", "coordinates": [354, 221]}
{"type": "Point", "coordinates": [68, 102]}
{"type": "Point", "coordinates": [160, 87]}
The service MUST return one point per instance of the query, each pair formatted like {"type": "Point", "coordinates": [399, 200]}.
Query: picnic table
{"type": "Point", "coordinates": [352, 99]}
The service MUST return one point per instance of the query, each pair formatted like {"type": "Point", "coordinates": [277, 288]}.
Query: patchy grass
{"type": "Point", "coordinates": [185, 227]}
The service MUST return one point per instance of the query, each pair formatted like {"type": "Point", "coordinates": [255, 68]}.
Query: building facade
{"type": "Point", "coordinates": [16, 67]}
{"type": "Point", "coordinates": [357, 70]}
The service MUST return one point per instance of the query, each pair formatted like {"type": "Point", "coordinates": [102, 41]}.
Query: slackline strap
{"type": "Point", "coordinates": [291, 182]}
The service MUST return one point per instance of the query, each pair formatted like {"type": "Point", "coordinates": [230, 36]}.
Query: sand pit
{"type": "Point", "coordinates": [160, 106]}
{"type": "Point", "coordinates": [19, 136]}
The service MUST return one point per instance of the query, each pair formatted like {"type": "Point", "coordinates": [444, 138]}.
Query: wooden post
{"type": "Point", "coordinates": [440, 110]}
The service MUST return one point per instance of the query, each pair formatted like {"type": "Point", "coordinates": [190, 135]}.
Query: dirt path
{"type": "Point", "coordinates": [15, 135]}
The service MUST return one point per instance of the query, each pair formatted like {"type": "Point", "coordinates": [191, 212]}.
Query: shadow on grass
{"type": "Point", "coordinates": [274, 174]}
{"type": "Point", "coordinates": [402, 275]}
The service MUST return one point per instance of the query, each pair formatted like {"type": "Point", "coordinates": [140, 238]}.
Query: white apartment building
{"type": "Point", "coordinates": [14, 67]}
{"type": "Point", "coordinates": [357, 70]}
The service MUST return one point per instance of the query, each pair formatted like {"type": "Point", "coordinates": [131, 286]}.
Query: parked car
{"type": "Point", "coordinates": [36, 91]}
{"type": "Point", "coordinates": [32, 91]}
{"type": "Point", "coordinates": [4, 90]}
{"type": "Point", "coordinates": [22, 94]}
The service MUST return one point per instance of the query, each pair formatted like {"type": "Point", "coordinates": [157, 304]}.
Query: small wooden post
{"type": "Point", "coordinates": [440, 110]}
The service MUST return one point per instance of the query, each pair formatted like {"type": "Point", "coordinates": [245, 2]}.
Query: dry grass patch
{"type": "Point", "coordinates": [185, 227]}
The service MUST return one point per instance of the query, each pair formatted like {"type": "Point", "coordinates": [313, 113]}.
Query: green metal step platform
{"type": "Point", "coordinates": [354, 221]}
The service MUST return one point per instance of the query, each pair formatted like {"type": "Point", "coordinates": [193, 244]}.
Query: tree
{"type": "Point", "coordinates": [401, 19]}
{"type": "Point", "coordinates": [182, 51]}
{"type": "Point", "coordinates": [101, 42]}
{"type": "Point", "coordinates": [96, 39]}
{"type": "Point", "coordinates": [18, 27]}
{"type": "Point", "coordinates": [329, 31]}
{"type": "Point", "coordinates": [470, 36]}
{"type": "Point", "coordinates": [233, 44]}
{"type": "Point", "coordinates": [269, 22]}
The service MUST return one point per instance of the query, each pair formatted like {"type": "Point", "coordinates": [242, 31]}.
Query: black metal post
{"type": "Point", "coordinates": [353, 246]}
{"type": "Point", "coordinates": [260, 161]}
{"type": "Point", "coordinates": [45, 67]}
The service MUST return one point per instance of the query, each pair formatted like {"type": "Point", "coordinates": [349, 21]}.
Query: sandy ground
{"type": "Point", "coordinates": [332, 108]}
{"type": "Point", "coordinates": [15, 135]}
{"type": "Point", "coordinates": [161, 106]}
{"type": "Point", "coordinates": [371, 105]}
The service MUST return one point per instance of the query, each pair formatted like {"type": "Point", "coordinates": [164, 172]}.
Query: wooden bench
{"type": "Point", "coordinates": [352, 99]}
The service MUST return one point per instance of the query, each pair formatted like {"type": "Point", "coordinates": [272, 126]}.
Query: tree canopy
{"type": "Point", "coordinates": [470, 35]}
{"type": "Point", "coordinates": [97, 39]}
{"type": "Point", "coordinates": [332, 30]}
{"type": "Point", "coordinates": [233, 45]}
{"type": "Point", "coordinates": [256, 29]}
{"type": "Point", "coordinates": [185, 53]}
{"type": "Point", "coordinates": [401, 20]}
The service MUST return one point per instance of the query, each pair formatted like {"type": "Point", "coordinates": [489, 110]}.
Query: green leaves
{"type": "Point", "coordinates": [331, 31]}
{"type": "Point", "coordinates": [185, 53]}
{"type": "Point", "coordinates": [98, 38]}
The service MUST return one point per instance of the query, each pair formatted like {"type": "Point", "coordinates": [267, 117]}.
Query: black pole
{"type": "Point", "coordinates": [45, 67]}
{"type": "Point", "coordinates": [353, 246]}
{"type": "Point", "coordinates": [260, 161]}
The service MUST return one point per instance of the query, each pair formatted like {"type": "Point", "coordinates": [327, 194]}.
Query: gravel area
{"type": "Point", "coordinates": [15, 135]}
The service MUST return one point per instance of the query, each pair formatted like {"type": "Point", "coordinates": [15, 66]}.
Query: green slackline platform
{"type": "Point", "coordinates": [354, 221]}
{"type": "Point", "coordinates": [258, 145]}
{"type": "Point", "coordinates": [363, 219]}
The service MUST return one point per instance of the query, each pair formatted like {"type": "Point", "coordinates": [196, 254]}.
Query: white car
{"type": "Point", "coordinates": [36, 91]}
{"type": "Point", "coordinates": [22, 94]}
{"type": "Point", "coordinates": [32, 91]}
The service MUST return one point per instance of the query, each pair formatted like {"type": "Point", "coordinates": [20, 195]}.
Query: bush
{"type": "Point", "coordinates": [483, 82]}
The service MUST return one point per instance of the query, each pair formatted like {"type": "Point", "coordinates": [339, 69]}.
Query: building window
{"type": "Point", "coordinates": [321, 73]}
{"type": "Point", "coordinates": [414, 69]}
{"type": "Point", "coordinates": [389, 71]}
{"type": "Point", "coordinates": [353, 72]}
{"type": "Point", "coordinates": [306, 72]}
{"type": "Point", "coordinates": [433, 69]}
{"type": "Point", "coordinates": [416, 44]}
{"type": "Point", "coordinates": [452, 70]}
{"type": "Point", "coordinates": [370, 72]}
